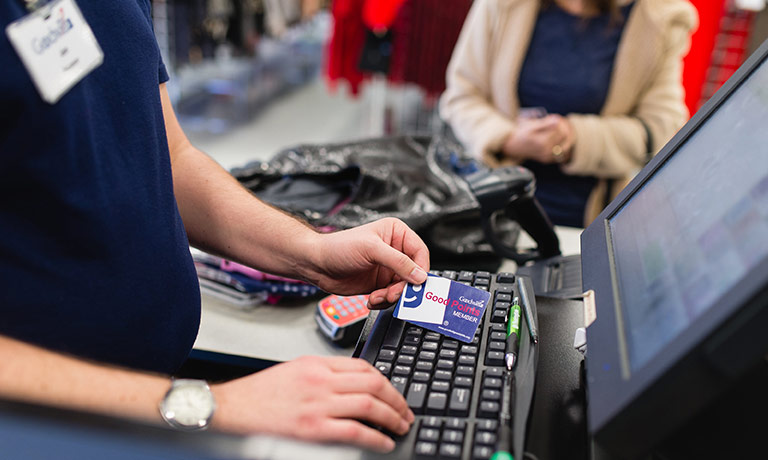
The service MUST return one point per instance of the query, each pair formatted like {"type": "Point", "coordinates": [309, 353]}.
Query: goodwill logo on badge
{"type": "Point", "coordinates": [426, 302]}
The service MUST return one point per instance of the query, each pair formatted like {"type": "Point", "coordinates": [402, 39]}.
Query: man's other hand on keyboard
{"type": "Point", "coordinates": [316, 399]}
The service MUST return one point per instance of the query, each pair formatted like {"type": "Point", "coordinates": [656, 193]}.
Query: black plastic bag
{"type": "Point", "coordinates": [415, 179]}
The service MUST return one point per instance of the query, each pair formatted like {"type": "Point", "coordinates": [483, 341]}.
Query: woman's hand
{"type": "Point", "coordinates": [547, 140]}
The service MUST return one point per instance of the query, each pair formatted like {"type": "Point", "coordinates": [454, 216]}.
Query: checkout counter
{"type": "Point", "coordinates": [237, 341]}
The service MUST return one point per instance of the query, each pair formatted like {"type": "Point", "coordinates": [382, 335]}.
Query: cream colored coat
{"type": "Point", "coordinates": [481, 104]}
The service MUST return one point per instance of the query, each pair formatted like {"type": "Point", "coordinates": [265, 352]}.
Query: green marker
{"type": "Point", "coordinates": [513, 334]}
{"type": "Point", "coordinates": [501, 455]}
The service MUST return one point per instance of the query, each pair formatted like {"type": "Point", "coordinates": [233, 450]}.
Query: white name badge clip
{"type": "Point", "coordinates": [57, 47]}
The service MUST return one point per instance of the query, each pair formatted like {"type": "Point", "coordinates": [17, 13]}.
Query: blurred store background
{"type": "Point", "coordinates": [252, 77]}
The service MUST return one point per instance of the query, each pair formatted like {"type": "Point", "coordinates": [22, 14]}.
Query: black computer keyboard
{"type": "Point", "coordinates": [454, 388]}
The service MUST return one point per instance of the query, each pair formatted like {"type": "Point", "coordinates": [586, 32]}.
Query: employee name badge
{"type": "Point", "coordinates": [57, 47]}
{"type": "Point", "coordinates": [444, 306]}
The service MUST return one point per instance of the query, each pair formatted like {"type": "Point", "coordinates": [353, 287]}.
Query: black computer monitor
{"type": "Point", "coordinates": [678, 264]}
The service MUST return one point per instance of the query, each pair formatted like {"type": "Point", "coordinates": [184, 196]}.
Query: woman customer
{"type": "Point", "coordinates": [579, 91]}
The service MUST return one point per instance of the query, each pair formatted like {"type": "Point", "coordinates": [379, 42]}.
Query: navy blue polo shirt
{"type": "Point", "coordinates": [94, 259]}
{"type": "Point", "coordinates": [568, 69]}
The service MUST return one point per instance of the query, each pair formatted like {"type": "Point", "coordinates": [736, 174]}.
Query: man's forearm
{"type": "Point", "coordinates": [224, 218]}
{"type": "Point", "coordinates": [36, 375]}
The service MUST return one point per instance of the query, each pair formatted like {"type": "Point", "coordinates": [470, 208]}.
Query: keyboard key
{"type": "Point", "coordinates": [429, 434]}
{"type": "Point", "coordinates": [454, 423]}
{"type": "Point", "coordinates": [491, 395]}
{"type": "Point", "coordinates": [487, 424]}
{"type": "Point", "coordinates": [505, 277]}
{"type": "Point", "coordinates": [465, 371]}
{"type": "Point", "coordinates": [450, 274]}
{"type": "Point", "coordinates": [402, 370]}
{"type": "Point", "coordinates": [432, 336]}
{"type": "Point", "coordinates": [485, 437]}
{"type": "Point", "coordinates": [426, 449]}
{"type": "Point", "coordinates": [440, 385]}
{"type": "Point", "coordinates": [494, 372]}
{"type": "Point", "coordinates": [414, 340]}
{"type": "Point", "coordinates": [383, 367]}
{"type": "Point", "coordinates": [498, 336]}
{"type": "Point", "coordinates": [483, 274]}
{"type": "Point", "coordinates": [467, 360]}
{"type": "Point", "coordinates": [480, 452]}
{"type": "Point", "coordinates": [450, 343]}
{"type": "Point", "coordinates": [503, 297]}
{"type": "Point", "coordinates": [494, 345]}
{"type": "Point", "coordinates": [453, 436]}
{"type": "Point", "coordinates": [499, 328]}
{"type": "Point", "coordinates": [436, 403]}
{"type": "Point", "coordinates": [482, 282]}
{"type": "Point", "coordinates": [468, 350]}
{"type": "Point", "coordinates": [450, 450]}
{"type": "Point", "coordinates": [427, 356]}
{"type": "Point", "coordinates": [405, 360]}
{"type": "Point", "coordinates": [466, 276]}
{"type": "Point", "coordinates": [465, 382]}
{"type": "Point", "coordinates": [499, 316]}
{"type": "Point", "coordinates": [417, 394]}
{"type": "Point", "coordinates": [443, 375]}
{"type": "Point", "coordinates": [414, 330]}
{"type": "Point", "coordinates": [489, 409]}
{"type": "Point", "coordinates": [432, 422]}
{"type": "Point", "coordinates": [399, 383]}
{"type": "Point", "coordinates": [494, 358]}
{"type": "Point", "coordinates": [429, 346]}
{"type": "Point", "coordinates": [491, 383]}
{"type": "Point", "coordinates": [445, 364]}
{"type": "Point", "coordinates": [408, 350]}
{"type": "Point", "coordinates": [505, 288]}
{"type": "Point", "coordinates": [425, 366]}
{"type": "Point", "coordinates": [459, 403]}
{"type": "Point", "coordinates": [476, 340]}
{"type": "Point", "coordinates": [386, 355]}
{"type": "Point", "coordinates": [448, 354]}
{"type": "Point", "coordinates": [422, 377]}
{"type": "Point", "coordinates": [501, 305]}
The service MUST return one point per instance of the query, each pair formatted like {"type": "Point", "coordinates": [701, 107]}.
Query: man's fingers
{"type": "Point", "coordinates": [394, 292]}
{"type": "Point", "coordinates": [343, 364]}
{"type": "Point", "coordinates": [377, 300]}
{"type": "Point", "coordinates": [353, 432]}
{"type": "Point", "coordinates": [368, 408]}
{"type": "Point", "coordinates": [376, 385]}
{"type": "Point", "coordinates": [399, 263]}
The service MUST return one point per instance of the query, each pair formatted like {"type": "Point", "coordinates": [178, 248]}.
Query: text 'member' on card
{"type": "Point", "coordinates": [444, 306]}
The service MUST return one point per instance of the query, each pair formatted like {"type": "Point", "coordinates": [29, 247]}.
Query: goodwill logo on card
{"type": "Point", "coordinates": [425, 305]}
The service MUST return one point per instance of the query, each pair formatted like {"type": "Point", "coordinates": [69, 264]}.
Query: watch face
{"type": "Point", "coordinates": [189, 405]}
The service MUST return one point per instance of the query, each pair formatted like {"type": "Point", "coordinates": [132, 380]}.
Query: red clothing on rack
{"type": "Point", "coordinates": [425, 32]}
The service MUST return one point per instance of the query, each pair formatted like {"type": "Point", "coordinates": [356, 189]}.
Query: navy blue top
{"type": "Point", "coordinates": [94, 259]}
{"type": "Point", "coordinates": [568, 70]}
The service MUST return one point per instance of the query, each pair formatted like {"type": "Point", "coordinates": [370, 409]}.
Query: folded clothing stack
{"type": "Point", "coordinates": [244, 286]}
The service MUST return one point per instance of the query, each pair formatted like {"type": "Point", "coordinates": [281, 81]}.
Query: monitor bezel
{"type": "Point", "coordinates": [618, 398]}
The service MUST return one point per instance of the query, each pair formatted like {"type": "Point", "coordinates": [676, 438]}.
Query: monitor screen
{"type": "Point", "coordinates": [692, 232]}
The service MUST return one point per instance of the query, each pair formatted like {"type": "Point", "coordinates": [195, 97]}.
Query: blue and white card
{"type": "Point", "coordinates": [444, 306]}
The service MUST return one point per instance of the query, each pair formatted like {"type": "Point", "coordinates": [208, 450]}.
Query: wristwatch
{"type": "Point", "coordinates": [188, 405]}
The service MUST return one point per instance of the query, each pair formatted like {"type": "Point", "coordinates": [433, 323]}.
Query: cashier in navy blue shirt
{"type": "Point", "coordinates": [101, 194]}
